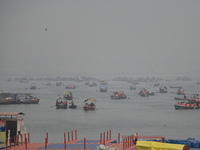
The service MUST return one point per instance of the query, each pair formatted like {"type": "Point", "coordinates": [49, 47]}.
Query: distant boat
{"type": "Point", "coordinates": [70, 87]}
{"type": "Point", "coordinates": [156, 84]}
{"type": "Point", "coordinates": [132, 87]}
{"type": "Point", "coordinates": [58, 83]}
{"type": "Point", "coordinates": [118, 95]}
{"type": "Point", "coordinates": [163, 89]}
{"type": "Point", "coordinates": [144, 93]}
{"type": "Point", "coordinates": [33, 86]}
{"type": "Point", "coordinates": [103, 88]}
{"type": "Point", "coordinates": [175, 87]}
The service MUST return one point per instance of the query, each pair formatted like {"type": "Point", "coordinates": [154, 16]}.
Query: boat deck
{"type": "Point", "coordinates": [73, 145]}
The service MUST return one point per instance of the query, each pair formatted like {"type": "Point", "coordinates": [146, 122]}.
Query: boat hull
{"type": "Point", "coordinates": [73, 106]}
{"type": "Point", "coordinates": [89, 107]}
{"type": "Point", "coordinates": [185, 107]}
{"type": "Point", "coordinates": [61, 106]}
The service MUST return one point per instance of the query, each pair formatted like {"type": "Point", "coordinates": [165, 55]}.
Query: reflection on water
{"type": "Point", "coordinates": [153, 115]}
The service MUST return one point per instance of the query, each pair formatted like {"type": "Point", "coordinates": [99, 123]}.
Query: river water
{"type": "Point", "coordinates": [150, 116]}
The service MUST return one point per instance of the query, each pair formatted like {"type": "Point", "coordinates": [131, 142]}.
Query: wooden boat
{"type": "Point", "coordinates": [132, 87]}
{"type": "Point", "coordinates": [61, 103]}
{"type": "Point", "coordinates": [73, 106]}
{"type": "Point", "coordinates": [33, 86]}
{"type": "Point", "coordinates": [70, 87]}
{"type": "Point", "coordinates": [144, 93]}
{"type": "Point", "coordinates": [103, 88]}
{"type": "Point", "coordinates": [118, 95]}
{"type": "Point", "coordinates": [163, 89]}
{"type": "Point", "coordinates": [156, 84]}
{"type": "Point", "coordinates": [68, 95]}
{"type": "Point", "coordinates": [90, 106]}
{"type": "Point", "coordinates": [58, 83]}
{"type": "Point", "coordinates": [92, 84]}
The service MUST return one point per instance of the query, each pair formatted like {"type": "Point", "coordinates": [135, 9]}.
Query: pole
{"type": "Point", "coordinates": [75, 134]}
{"type": "Point", "coordinates": [84, 143]}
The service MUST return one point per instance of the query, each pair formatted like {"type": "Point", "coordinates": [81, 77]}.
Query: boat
{"type": "Point", "coordinates": [68, 95]}
{"type": "Point", "coordinates": [144, 93]}
{"type": "Point", "coordinates": [33, 86]}
{"type": "Point", "coordinates": [18, 98]}
{"type": "Point", "coordinates": [48, 84]}
{"type": "Point", "coordinates": [194, 98]}
{"type": "Point", "coordinates": [70, 87]}
{"type": "Point", "coordinates": [61, 103]}
{"type": "Point", "coordinates": [73, 106]}
{"type": "Point", "coordinates": [132, 87]}
{"type": "Point", "coordinates": [156, 84]}
{"type": "Point", "coordinates": [180, 91]}
{"type": "Point", "coordinates": [92, 84]}
{"type": "Point", "coordinates": [90, 106]}
{"type": "Point", "coordinates": [180, 98]}
{"type": "Point", "coordinates": [175, 87]}
{"type": "Point", "coordinates": [103, 88]}
{"type": "Point", "coordinates": [187, 105]}
{"type": "Point", "coordinates": [118, 95]}
{"type": "Point", "coordinates": [58, 83]}
{"type": "Point", "coordinates": [163, 89]}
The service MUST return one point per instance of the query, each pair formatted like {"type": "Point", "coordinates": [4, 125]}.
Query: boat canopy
{"type": "Point", "coordinates": [67, 92]}
{"type": "Point", "coordinates": [149, 145]}
{"type": "Point", "coordinates": [91, 99]}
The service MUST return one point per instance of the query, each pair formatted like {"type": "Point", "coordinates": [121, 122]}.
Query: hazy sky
{"type": "Point", "coordinates": [99, 36]}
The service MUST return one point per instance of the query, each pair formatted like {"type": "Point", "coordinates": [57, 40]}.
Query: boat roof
{"type": "Point", "coordinates": [11, 113]}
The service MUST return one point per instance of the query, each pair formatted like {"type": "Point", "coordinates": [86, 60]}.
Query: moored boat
{"type": "Point", "coordinates": [118, 95]}
{"type": "Point", "coordinates": [18, 98]}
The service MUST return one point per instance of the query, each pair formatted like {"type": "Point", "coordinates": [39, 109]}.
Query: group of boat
{"type": "Point", "coordinates": [62, 102]}
{"type": "Point", "coordinates": [18, 98]}
{"type": "Point", "coordinates": [188, 103]}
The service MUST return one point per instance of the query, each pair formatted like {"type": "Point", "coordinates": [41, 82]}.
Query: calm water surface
{"type": "Point", "coordinates": [153, 115]}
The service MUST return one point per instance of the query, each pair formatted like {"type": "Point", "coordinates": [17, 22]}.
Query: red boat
{"type": "Point", "coordinates": [118, 95]}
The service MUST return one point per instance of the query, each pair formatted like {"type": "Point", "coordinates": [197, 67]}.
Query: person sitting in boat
{"type": "Point", "coordinates": [72, 103]}
{"type": "Point", "coordinates": [92, 104]}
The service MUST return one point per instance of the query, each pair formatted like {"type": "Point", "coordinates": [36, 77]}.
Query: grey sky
{"type": "Point", "coordinates": [105, 36]}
